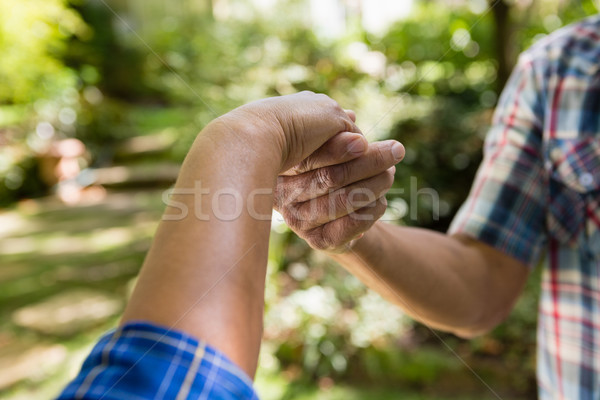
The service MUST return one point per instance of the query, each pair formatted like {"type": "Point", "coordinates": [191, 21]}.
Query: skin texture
{"type": "Point", "coordinates": [329, 206]}
{"type": "Point", "coordinates": [452, 283]}
{"type": "Point", "coordinates": [205, 272]}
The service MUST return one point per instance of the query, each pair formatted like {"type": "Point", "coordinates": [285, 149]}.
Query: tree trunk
{"type": "Point", "coordinates": [501, 14]}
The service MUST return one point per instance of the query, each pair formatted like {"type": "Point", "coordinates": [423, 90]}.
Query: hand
{"type": "Point", "coordinates": [337, 193]}
{"type": "Point", "coordinates": [297, 124]}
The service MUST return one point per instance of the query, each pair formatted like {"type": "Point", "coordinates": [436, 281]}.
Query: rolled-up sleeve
{"type": "Point", "coordinates": [506, 205]}
{"type": "Point", "coordinates": [145, 361]}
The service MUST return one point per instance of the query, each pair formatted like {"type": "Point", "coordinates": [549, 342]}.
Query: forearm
{"type": "Point", "coordinates": [446, 282]}
{"type": "Point", "coordinates": [205, 272]}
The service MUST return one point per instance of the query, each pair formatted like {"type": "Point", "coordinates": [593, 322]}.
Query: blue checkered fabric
{"type": "Point", "coordinates": [144, 361]}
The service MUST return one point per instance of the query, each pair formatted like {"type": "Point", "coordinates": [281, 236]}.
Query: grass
{"type": "Point", "coordinates": [47, 248]}
{"type": "Point", "coordinates": [101, 246]}
{"type": "Point", "coordinates": [275, 386]}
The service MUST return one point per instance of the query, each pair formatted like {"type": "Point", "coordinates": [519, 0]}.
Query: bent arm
{"type": "Point", "coordinates": [459, 284]}
{"type": "Point", "coordinates": [452, 283]}
{"type": "Point", "coordinates": [205, 272]}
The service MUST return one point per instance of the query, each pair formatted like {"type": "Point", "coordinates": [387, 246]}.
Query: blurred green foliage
{"type": "Point", "coordinates": [105, 75]}
{"type": "Point", "coordinates": [33, 40]}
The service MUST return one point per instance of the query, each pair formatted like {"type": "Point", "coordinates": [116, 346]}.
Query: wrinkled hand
{"type": "Point", "coordinates": [296, 124]}
{"type": "Point", "coordinates": [338, 192]}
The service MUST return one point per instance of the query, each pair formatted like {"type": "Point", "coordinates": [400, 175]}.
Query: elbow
{"type": "Point", "coordinates": [471, 333]}
{"type": "Point", "coordinates": [485, 322]}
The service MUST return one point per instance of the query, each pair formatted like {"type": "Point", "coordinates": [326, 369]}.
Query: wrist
{"type": "Point", "coordinates": [258, 137]}
{"type": "Point", "coordinates": [364, 247]}
{"type": "Point", "coordinates": [227, 157]}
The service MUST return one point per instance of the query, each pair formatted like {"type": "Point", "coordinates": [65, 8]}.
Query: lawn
{"type": "Point", "coordinates": [57, 259]}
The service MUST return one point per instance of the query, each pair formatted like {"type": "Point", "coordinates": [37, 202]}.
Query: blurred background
{"type": "Point", "coordinates": [100, 100]}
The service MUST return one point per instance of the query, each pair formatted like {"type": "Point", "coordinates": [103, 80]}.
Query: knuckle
{"type": "Point", "coordinates": [289, 218]}
{"type": "Point", "coordinates": [389, 177]}
{"type": "Point", "coordinates": [325, 178]}
{"type": "Point", "coordinates": [346, 124]}
{"type": "Point", "coordinates": [292, 219]}
{"type": "Point", "coordinates": [383, 201]}
{"type": "Point", "coordinates": [318, 207]}
{"type": "Point", "coordinates": [326, 209]}
{"type": "Point", "coordinates": [323, 99]}
{"type": "Point", "coordinates": [379, 158]}
{"type": "Point", "coordinates": [360, 226]}
{"type": "Point", "coordinates": [380, 208]}
{"type": "Point", "coordinates": [336, 106]}
{"type": "Point", "coordinates": [341, 173]}
{"type": "Point", "coordinates": [304, 165]}
{"type": "Point", "coordinates": [336, 235]}
{"type": "Point", "coordinates": [362, 221]}
{"type": "Point", "coordinates": [341, 200]}
{"type": "Point", "coordinates": [326, 237]}
{"type": "Point", "coordinates": [286, 190]}
{"type": "Point", "coordinates": [317, 241]}
{"type": "Point", "coordinates": [316, 244]}
{"type": "Point", "coordinates": [280, 192]}
{"type": "Point", "coordinates": [327, 241]}
{"type": "Point", "coordinates": [307, 215]}
{"type": "Point", "coordinates": [333, 106]}
{"type": "Point", "coordinates": [391, 172]}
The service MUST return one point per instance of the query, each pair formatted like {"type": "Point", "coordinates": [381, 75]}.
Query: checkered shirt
{"type": "Point", "coordinates": [537, 194]}
{"type": "Point", "coordinates": [143, 361]}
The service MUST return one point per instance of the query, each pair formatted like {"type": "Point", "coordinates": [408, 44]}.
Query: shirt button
{"type": "Point", "coordinates": [586, 179]}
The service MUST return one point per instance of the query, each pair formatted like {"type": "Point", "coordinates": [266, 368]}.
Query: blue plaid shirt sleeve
{"type": "Point", "coordinates": [145, 361]}
{"type": "Point", "coordinates": [506, 205]}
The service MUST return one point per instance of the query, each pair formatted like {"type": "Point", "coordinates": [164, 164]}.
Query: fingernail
{"type": "Point", "coordinates": [357, 146]}
{"type": "Point", "coordinates": [398, 151]}
{"type": "Point", "coordinates": [392, 169]}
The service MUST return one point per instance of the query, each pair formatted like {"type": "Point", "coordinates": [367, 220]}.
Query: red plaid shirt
{"type": "Point", "coordinates": [537, 193]}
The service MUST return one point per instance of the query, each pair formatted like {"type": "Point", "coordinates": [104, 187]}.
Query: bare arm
{"type": "Point", "coordinates": [205, 272]}
{"type": "Point", "coordinates": [453, 283]}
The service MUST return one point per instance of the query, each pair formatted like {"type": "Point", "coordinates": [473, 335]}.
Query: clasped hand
{"type": "Point", "coordinates": [331, 182]}
{"type": "Point", "coordinates": [332, 195]}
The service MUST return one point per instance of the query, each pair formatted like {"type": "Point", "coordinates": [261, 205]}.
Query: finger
{"type": "Point", "coordinates": [351, 114]}
{"type": "Point", "coordinates": [343, 201]}
{"type": "Point", "coordinates": [335, 235]}
{"type": "Point", "coordinates": [350, 118]}
{"type": "Point", "coordinates": [352, 127]}
{"type": "Point", "coordinates": [342, 147]}
{"type": "Point", "coordinates": [379, 157]}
